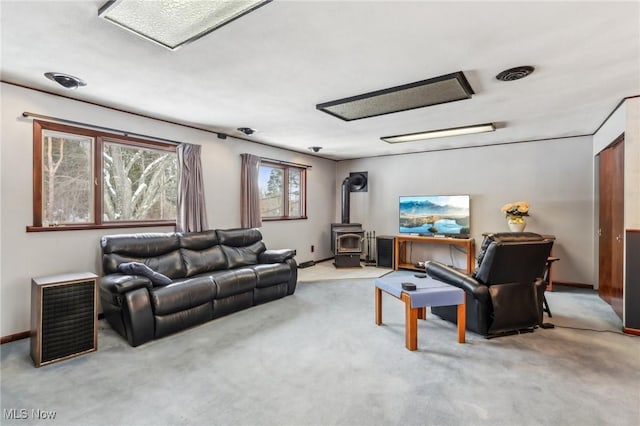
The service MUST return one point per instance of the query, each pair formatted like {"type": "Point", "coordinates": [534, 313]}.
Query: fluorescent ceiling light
{"type": "Point", "coordinates": [433, 91]}
{"type": "Point", "coordinates": [443, 133]}
{"type": "Point", "coordinates": [172, 23]}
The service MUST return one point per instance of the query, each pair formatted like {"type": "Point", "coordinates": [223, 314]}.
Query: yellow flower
{"type": "Point", "coordinates": [507, 207]}
{"type": "Point", "coordinates": [515, 211]}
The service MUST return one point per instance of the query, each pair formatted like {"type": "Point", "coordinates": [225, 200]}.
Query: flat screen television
{"type": "Point", "coordinates": [446, 215]}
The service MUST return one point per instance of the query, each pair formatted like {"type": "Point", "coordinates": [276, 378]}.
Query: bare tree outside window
{"type": "Point", "coordinates": [138, 183]}
{"type": "Point", "coordinates": [67, 173]}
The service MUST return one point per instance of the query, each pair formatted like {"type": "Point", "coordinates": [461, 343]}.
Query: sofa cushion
{"type": "Point", "coordinates": [241, 256]}
{"type": "Point", "coordinates": [267, 294]}
{"type": "Point", "coordinates": [276, 256]}
{"type": "Point", "coordinates": [200, 261]}
{"type": "Point", "coordinates": [167, 324]}
{"type": "Point", "coordinates": [183, 294]}
{"type": "Point", "coordinates": [136, 268]}
{"type": "Point", "coordinates": [232, 304]}
{"type": "Point", "coordinates": [117, 249]}
{"type": "Point", "coordinates": [239, 237]}
{"type": "Point", "coordinates": [229, 283]}
{"type": "Point", "coordinates": [271, 274]}
{"type": "Point", "coordinates": [198, 240]}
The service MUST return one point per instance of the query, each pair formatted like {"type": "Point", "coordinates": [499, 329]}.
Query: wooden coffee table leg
{"type": "Point", "coordinates": [422, 313]}
{"type": "Point", "coordinates": [378, 306]}
{"type": "Point", "coordinates": [462, 321]}
{"type": "Point", "coordinates": [411, 324]}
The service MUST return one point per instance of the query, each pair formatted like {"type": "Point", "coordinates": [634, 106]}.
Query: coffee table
{"type": "Point", "coordinates": [429, 292]}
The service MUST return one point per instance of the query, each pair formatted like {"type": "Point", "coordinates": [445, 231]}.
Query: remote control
{"type": "Point", "coordinates": [408, 286]}
{"type": "Point", "coordinates": [420, 275]}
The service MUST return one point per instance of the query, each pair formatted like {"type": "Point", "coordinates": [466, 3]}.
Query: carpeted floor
{"type": "Point", "coordinates": [326, 271]}
{"type": "Point", "coordinates": [317, 358]}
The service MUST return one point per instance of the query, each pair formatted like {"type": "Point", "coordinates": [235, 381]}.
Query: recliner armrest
{"type": "Point", "coordinates": [121, 284]}
{"type": "Point", "coordinates": [444, 273]}
{"type": "Point", "coordinates": [276, 256]}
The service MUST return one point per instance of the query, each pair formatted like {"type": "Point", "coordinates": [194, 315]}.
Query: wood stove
{"type": "Point", "coordinates": [347, 238]}
{"type": "Point", "coordinates": [346, 244]}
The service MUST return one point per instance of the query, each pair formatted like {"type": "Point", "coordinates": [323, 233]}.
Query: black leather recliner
{"type": "Point", "coordinates": [506, 291]}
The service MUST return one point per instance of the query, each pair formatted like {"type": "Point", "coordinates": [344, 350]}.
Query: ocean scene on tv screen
{"type": "Point", "coordinates": [441, 214]}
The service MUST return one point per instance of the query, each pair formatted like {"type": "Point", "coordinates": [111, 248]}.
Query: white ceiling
{"type": "Point", "coordinates": [268, 69]}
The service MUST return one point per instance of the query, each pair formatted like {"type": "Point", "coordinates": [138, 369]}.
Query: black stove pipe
{"type": "Point", "coordinates": [346, 199]}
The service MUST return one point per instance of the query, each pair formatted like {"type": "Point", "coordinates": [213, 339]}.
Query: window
{"type": "Point", "coordinates": [282, 191]}
{"type": "Point", "coordinates": [88, 179]}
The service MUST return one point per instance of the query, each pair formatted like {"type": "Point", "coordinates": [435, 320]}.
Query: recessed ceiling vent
{"type": "Point", "coordinates": [437, 90]}
{"type": "Point", "coordinates": [65, 80]}
{"type": "Point", "coordinates": [515, 73]}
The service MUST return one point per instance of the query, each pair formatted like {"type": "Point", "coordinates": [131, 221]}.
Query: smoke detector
{"type": "Point", "coordinates": [515, 73]}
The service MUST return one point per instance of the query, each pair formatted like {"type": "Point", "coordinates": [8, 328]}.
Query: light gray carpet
{"type": "Point", "coordinates": [317, 358]}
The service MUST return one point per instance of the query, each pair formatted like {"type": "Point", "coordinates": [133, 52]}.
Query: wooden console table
{"type": "Point", "coordinates": [400, 260]}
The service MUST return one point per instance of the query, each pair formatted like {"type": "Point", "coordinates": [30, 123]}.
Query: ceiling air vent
{"type": "Point", "coordinates": [515, 73]}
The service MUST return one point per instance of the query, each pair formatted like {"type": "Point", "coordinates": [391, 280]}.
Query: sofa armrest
{"type": "Point", "coordinates": [276, 256]}
{"type": "Point", "coordinates": [121, 284]}
{"type": "Point", "coordinates": [440, 272]}
{"type": "Point", "coordinates": [130, 294]}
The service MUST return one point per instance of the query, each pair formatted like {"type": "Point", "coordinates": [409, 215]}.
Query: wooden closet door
{"type": "Point", "coordinates": [604, 231]}
{"type": "Point", "coordinates": [617, 228]}
{"type": "Point", "coordinates": [611, 243]}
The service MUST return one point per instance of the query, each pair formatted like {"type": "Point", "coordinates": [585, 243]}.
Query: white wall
{"type": "Point", "coordinates": [26, 255]}
{"type": "Point", "coordinates": [611, 129]}
{"type": "Point", "coordinates": [555, 176]}
{"type": "Point", "coordinates": [632, 165]}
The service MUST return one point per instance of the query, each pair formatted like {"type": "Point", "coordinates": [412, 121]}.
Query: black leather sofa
{"type": "Point", "coordinates": [213, 273]}
{"type": "Point", "coordinates": [506, 291]}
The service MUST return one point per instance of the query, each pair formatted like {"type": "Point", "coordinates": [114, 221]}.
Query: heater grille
{"type": "Point", "coordinates": [63, 318]}
{"type": "Point", "coordinates": [437, 90]}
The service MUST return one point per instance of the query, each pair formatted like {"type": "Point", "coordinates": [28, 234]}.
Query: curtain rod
{"type": "Point", "coordinates": [127, 133]}
{"type": "Point", "coordinates": [286, 163]}
{"type": "Point", "coordinates": [94, 126]}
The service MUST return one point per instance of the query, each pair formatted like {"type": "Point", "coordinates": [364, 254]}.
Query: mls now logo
{"type": "Point", "coordinates": [23, 413]}
{"type": "Point", "coordinates": [15, 413]}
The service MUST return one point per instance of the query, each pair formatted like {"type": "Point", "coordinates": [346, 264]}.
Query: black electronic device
{"type": "Point", "coordinates": [408, 286]}
{"type": "Point", "coordinates": [420, 275]}
{"type": "Point", "coordinates": [384, 251]}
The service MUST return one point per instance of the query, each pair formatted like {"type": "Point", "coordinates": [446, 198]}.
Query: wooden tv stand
{"type": "Point", "coordinates": [400, 252]}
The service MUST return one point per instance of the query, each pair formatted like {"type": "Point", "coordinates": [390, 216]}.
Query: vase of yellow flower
{"type": "Point", "coordinates": [515, 213]}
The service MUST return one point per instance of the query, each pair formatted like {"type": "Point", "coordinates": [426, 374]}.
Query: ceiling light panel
{"type": "Point", "coordinates": [437, 90]}
{"type": "Point", "coordinates": [173, 23]}
{"type": "Point", "coordinates": [442, 133]}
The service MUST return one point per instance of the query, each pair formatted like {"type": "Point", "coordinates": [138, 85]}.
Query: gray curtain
{"type": "Point", "coordinates": [250, 192]}
{"type": "Point", "coordinates": [192, 211]}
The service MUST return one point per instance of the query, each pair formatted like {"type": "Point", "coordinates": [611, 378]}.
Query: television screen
{"type": "Point", "coordinates": [435, 215]}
